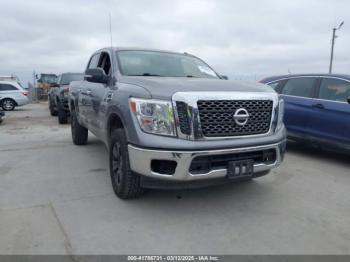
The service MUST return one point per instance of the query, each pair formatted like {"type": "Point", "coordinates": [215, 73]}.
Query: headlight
{"type": "Point", "coordinates": [154, 116]}
{"type": "Point", "coordinates": [280, 114]}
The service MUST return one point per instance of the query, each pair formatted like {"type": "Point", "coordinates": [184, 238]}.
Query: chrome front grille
{"type": "Point", "coordinates": [217, 117]}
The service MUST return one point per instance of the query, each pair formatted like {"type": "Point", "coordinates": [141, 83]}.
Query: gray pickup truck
{"type": "Point", "coordinates": [170, 121]}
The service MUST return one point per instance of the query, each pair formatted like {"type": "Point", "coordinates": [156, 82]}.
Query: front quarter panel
{"type": "Point", "coordinates": [119, 105]}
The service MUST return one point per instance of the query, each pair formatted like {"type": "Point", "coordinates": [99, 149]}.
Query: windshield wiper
{"type": "Point", "coordinates": [146, 74]}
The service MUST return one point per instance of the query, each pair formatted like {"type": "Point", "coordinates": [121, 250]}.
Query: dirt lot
{"type": "Point", "coordinates": [56, 198]}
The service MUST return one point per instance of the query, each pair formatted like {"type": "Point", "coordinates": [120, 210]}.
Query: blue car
{"type": "Point", "coordinates": [317, 108]}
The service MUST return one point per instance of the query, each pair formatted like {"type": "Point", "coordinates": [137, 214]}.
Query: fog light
{"type": "Point", "coordinates": [163, 167]}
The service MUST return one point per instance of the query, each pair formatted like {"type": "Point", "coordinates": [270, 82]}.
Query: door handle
{"type": "Point", "coordinates": [319, 106]}
{"type": "Point", "coordinates": [88, 92]}
{"type": "Point", "coordinates": [109, 97]}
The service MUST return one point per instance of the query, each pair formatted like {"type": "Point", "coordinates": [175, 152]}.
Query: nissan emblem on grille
{"type": "Point", "coordinates": [241, 116]}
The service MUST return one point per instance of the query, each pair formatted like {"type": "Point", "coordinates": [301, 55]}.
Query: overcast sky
{"type": "Point", "coordinates": [238, 38]}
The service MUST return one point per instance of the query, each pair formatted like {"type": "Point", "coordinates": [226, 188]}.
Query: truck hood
{"type": "Point", "coordinates": [165, 87]}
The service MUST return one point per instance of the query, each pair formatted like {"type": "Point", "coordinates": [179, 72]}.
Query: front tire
{"type": "Point", "coordinates": [79, 133]}
{"type": "Point", "coordinates": [126, 183]}
{"type": "Point", "coordinates": [62, 114]}
{"type": "Point", "coordinates": [8, 104]}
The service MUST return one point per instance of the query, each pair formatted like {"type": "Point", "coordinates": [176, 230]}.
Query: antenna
{"type": "Point", "coordinates": [110, 29]}
{"type": "Point", "coordinates": [112, 54]}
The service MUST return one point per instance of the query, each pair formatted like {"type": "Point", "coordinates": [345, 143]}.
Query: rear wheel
{"type": "Point", "coordinates": [126, 183]}
{"type": "Point", "coordinates": [79, 133]}
{"type": "Point", "coordinates": [53, 111]}
{"type": "Point", "coordinates": [8, 104]}
{"type": "Point", "coordinates": [62, 114]}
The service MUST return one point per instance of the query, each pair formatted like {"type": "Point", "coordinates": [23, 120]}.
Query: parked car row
{"type": "Point", "coordinates": [317, 108]}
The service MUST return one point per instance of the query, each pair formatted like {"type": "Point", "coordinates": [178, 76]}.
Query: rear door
{"type": "Point", "coordinates": [84, 100]}
{"type": "Point", "coordinates": [331, 111]}
{"type": "Point", "coordinates": [298, 95]}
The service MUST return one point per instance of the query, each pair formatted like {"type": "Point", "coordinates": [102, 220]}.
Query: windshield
{"type": "Point", "coordinates": [48, 79]}
{"type": "Point", "coordinates": [151, 63]}
{"type": "Point", "coordinates": [67, 78]}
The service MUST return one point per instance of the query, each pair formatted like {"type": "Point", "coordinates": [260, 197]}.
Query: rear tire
{"type": "Point", "coordinates": [8, 104]}
{"type": "Point", "coordinates": [53, 112]}
{"type": "Point", "coordinates": [126, 183]}
{"type": "Point", "coordinates": [79, 133]}
{"type": "Point", "coordinates": [62, 114]}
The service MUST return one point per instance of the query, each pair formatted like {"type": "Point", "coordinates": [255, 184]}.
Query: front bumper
{"type": "Point", "coordinates": [141, 161]}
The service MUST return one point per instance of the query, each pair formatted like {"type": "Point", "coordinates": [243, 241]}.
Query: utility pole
{"type": "Point", "coordinates": [334, 36]}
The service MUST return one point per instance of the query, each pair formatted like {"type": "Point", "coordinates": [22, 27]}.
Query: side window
{"type": "Point", "coordinates": [105, 63]}
{"type": "Point", "coordinates": [299, 87]}
{"type": "Point", "coordinates": [94, 61]}
{"type": "Point", "coordinates": [7, 87]}
{"type": "Point", "coordinates": [334, 89]}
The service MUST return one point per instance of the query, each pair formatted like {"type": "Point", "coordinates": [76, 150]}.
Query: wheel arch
{"type": "Point", "coordinates": [14, 100]}
{"type": "Point", "coordinates": [114, 121]}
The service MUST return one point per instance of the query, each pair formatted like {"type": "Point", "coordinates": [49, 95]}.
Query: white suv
{"type": "Point", "coordinates": [12, 95]}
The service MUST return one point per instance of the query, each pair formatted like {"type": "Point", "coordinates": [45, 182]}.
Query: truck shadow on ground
{"type": "Point", "coordinates": [238, 191]}
{"type": "Point", "coordinates": [318, 153]}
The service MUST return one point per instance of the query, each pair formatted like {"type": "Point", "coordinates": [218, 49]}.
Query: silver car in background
{"type": "Point", "coordinates": [12, 95]}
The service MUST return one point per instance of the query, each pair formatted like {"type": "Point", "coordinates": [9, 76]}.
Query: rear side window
{"type": "Point", "coordinates": [334, 89]}
{"type": "Point", "coordinates": [301, 87]}
{"type": "Point", "coordinates": [7, 87]}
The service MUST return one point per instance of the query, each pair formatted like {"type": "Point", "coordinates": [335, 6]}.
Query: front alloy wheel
{"type": "Point", "coordinates": [117, 163]}
{"type": "Point", "coordinates": [126, 183]}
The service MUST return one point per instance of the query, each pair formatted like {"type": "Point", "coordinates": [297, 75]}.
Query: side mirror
{"type": "Point", "coordinates": [96, 75]}
{"type": "Point", "coordinates": [223, 77]}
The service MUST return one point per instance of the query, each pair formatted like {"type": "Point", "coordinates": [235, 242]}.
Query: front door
{"type": "Point", "coordinates": [298, 96]}
{"type": "Point", "coordinates": [331, 111]}
{"type": "Point", "coordinates": [98, 96]}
